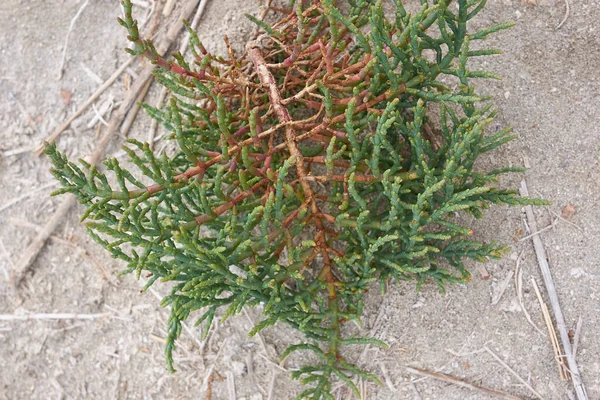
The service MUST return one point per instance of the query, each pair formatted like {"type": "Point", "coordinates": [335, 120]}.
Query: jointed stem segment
{"type": "Point", "coordinates": [307, 169]}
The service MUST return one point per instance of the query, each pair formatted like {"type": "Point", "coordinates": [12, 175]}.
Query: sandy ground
{"type": "Point", "coordinates": [550, 95]}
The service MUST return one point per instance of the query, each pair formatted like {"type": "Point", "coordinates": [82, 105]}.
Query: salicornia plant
{"type": "Point", "coordinates": [329, 156]}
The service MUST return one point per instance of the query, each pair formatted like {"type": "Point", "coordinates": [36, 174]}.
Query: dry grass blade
{"type": "Point", "coordinates": [272, 386]}
{"type": "Point", "coordinates": [567, 12]}
{"type": "Point", "coordinates": [212, 368]}
{"type": "Point", "coordinates": [64, 54]}
{"type": "Point", "coordinates": [231, 385]}
{"type": "Point", "coordinates": [553, 339]}
{"type": "Point", "coordinates": [168, 9]}
{"type": "Point", "coordinates": [28, 194]}
{"type": "Point", "coordinates": [459, 382]}
{"type": "Point", "coordinates": [553, 296]}
{"type": "Point", "coordinates": [126, 126]}
{"type": "Point", "coordinates": [386, 378]}
{"type": "Point", "coordinates": [565, 220]}
{"type": "Point", "coordinates": [415, 390]}
{"type": "Point", "coordinates": [502, 288]}
{"type": "Point", "coordinates": [53, 316]}
{"type": "Point", "coordinates": [519, 290]}
{"type": "Point", "coordinates": [513, 373]}
{"type": "Point", "coordinates": [85, 106]}
{"type": "Point", "coordinates": [32, 251]}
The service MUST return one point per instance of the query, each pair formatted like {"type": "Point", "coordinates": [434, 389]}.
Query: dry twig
{"type": "Point", "coordinates": [38, 242]}
{"type": "Point", "coordinates": [460, 382]}
{"type": "Point", "coordinates": [29, 193]}
{"type": "Point", "coordinates": [64, 55]}
{"type": "Point", "coordinates": [553, 296]}
{"type": "Point", "coordinates": [8, 260]}
{"type": "Point", "coordinates": [415, 390]}
{"type": "Point", "coordinates": [212, 367]}
{"type": "Point", "coordinates": [513, 373]}
{"type": "Point", "coordinates": [485, 349]}
{"type": "Point", "coordinates": [551, 226]}
{"type": "Point", "coordinates": [502, 288]}
{"type": "Point", "coordinates": [386, 378]}
{"type": "Point", "coordinates": [272, 386]}
{"type": "Point", "coordinates": [135, 109]}
{"type": "Point", "coordinates": [105, 273]}
{"type": "Point", "coordinates": [519, 290]}
{"type": "Point", "coordinates": [553, 339]}
{"type": "Point", "coordinates": [565, 220]}
{"type": "Point", "coordinates": [231, 385]}
{"type": "Point", "coordinates": [53, 316]}
{"type": "Point", "coordinates": [85, 106]}
{"type": "Point", "coordinates": [168, 9]}
{"type": "Point", "coordinates": [567, 11]}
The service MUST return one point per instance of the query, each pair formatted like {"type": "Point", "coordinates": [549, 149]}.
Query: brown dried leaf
{"type": "Point", "coordinates": [518, 234]}
{"type": "Point", "coordinates": [66, 95]}
{"type": "Point", "coordinates": [568, 211]}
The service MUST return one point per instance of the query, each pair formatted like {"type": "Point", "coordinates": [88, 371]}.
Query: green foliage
{"type": "Point", "coordinates": [332, 155]}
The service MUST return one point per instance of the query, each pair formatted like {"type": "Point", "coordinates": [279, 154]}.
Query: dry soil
{"type": "Point", "coordinates": [550, 95]}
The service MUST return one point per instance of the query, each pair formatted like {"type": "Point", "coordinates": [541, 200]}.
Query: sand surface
{"type": "Point", "coordinates": [550, 95]}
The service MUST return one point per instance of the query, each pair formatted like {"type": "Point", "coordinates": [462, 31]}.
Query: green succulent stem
{"type": "Point", "coordinates": [328, 157]}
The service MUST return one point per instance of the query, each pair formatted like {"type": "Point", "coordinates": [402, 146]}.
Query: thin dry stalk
{"type": "Point", "coordinates": [386, 378]}
{"type": "Point", "coordinates": [185, 326]}
{"type": "Point", "coordinates": [168, 9]}
{"type": "Point", "coordinates": [8, 260]}
{"type": "Point", "coordinates": [31, 252]}
{"type": "Point", "coordinates": [53, 316]}
{"type": "Point", "coordinates": [28, 194]}
{"type": "Point", "coordinates": [272, 386]}
{"type": "Point", "coordinates": [513, 373]}
{"type": "Point", "coordinates": [273, 363]}
{"type": "Point", "coordinates": [106, 107]}
{"type": "Point", "coordinates": [363, 389]}
{"type": "Point", "coordinates": [132, 114]}
{"type": "Point", "coordinates": [565, 220]}
{"type": "Point", "coordinates": [461, 383]}
{"type": "Point", "coordinates": [553, 339]}
{"type": "Point", "coordinates": [85, 106]}
{"type": "Point", "coordinates": [551, 226]}
{"type": "Point", "coordinates": [199, 12]}
{"type": "Point", "coordinates": [64, 55]}
{"type": "Point", "coordinates": [60, 215]}
{"type": "Point", "coordinates": [502, 288]}
{"type": "Point", "coordinates": [567, 12]}
{"type": "Point", "coordinates": [260, 337]}
{"type": "Point", "coordinates": [212, 367]}
{"type": "Point", "coordinates": [553, 296]}
{"type": "Point", "coordinates": [231, 385]}
{"type": "Point", "coordinates": [519, 290]}
{"type": "Point", "coordinates": [415, 390]}
{"type": "Point", "coordinates": [105, 273]}
{"type": "Point", "coordinates": [154, 125]}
